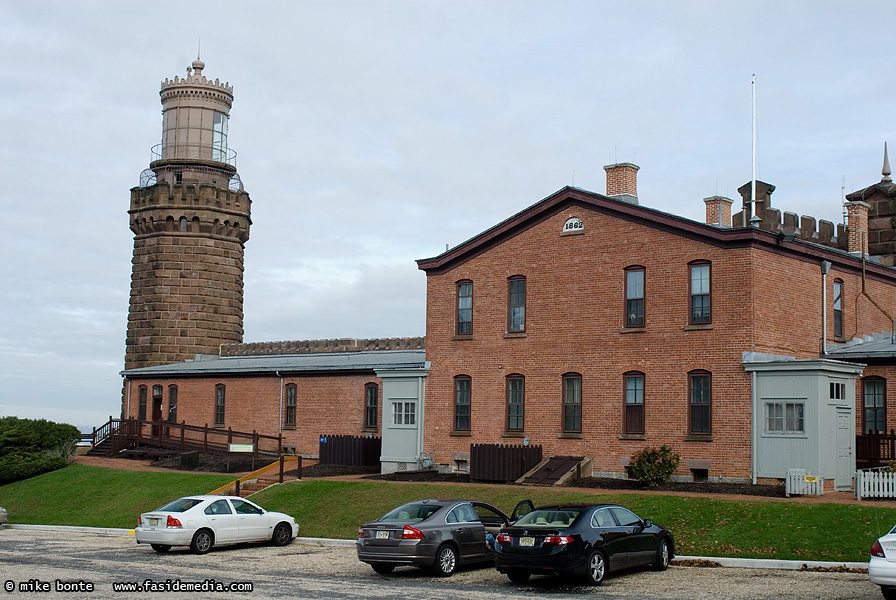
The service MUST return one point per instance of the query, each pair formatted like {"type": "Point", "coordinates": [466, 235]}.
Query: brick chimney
{"type": "Point", "coordinates": [718, 211]}
{"type": "Point", "coordinates": [622, 181]}
{"type": "Point", "coordinates": [857, 214]}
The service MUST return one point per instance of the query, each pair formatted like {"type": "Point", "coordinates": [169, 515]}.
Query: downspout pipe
{"type": "Point", "coordinates": [754, 383]}
{"type": "Point", "coordinates": [280, 414]}
{"type": "Point", "coordinates": [127, 414]}
{"type": "Point", "coordinates": [825, 269]}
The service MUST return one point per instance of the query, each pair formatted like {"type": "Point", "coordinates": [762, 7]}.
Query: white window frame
{"type": "Point", "coordinates": [785, 429]}
{"type": "Point", "coordinates": [401, 415]}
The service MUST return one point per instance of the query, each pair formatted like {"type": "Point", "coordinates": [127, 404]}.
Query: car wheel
{"type": "Point", "coordinates": [596, 568]}
{"type": "Point", "coordinates": [888, 592]}
{"type": "Point", "coordinates": [161, 548]}
{"type": "Point", "coordinates": [282, 534]}
{"type": "Point", "coordinates": [518, 575]}
{"type": "Point", "coordinates": [203, 540]}
{"type": "Point", "coordinates": [661, 563]}
{"type": "Point", "coordinates": [446, 561]}
{"type": "Point", "coordinates": [383, 568]}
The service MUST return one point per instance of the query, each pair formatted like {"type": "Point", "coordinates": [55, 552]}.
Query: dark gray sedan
{"type": "Point", "coordinates": [435, 534]}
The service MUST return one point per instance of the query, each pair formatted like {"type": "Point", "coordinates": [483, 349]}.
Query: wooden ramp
{"type": "Point", "coordinates": [557, 470]}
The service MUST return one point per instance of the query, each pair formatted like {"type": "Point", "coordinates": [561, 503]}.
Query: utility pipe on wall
{"type": "Point", "coordinates": [825, 268]}
{"type": "Point", "coordinates": [280, 414]}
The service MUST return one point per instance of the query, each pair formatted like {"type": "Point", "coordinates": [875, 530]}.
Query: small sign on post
{"type": "Point", "coordinates": [241, 447]}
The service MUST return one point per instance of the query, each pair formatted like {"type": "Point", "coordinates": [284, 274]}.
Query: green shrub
{"type": "Point", "coordinates": [653, 467]}
{"type": "Point", "coordinates": [29, 447]}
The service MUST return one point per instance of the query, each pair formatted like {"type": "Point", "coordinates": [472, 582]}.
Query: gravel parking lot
{"type": "Point", "coordinates": [307, 571]}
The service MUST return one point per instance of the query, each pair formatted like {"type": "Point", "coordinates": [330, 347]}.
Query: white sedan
{"type": "Point", "coordinates": [201, 522]}
{"type": "Point", "coordinates": [882, 565]}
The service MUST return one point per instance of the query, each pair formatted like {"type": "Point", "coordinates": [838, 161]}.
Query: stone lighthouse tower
{"type": "Point", "coordinates": [190, 218]}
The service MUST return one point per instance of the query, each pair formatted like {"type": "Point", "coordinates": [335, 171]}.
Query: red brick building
{"type": "Point", "coordinates": [594, 326]}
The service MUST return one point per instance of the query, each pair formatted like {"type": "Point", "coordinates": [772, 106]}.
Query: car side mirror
{"type": "Point", "coordinates": [646, 523]}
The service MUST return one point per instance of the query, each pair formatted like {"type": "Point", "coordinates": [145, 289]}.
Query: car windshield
{"type": "Point", "coordinates": [550, 517]}
{"type": "Point", "coordinates": [410, 513]}
{"type": "Point", "coordinates": [181, 504]}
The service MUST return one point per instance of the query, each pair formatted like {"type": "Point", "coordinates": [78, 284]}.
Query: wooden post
{"type": "Point", "coordinates": [299, 467]}
{"type": "Point", "coordinates": [282, 459]}
{"type": "Point", "coordinates": [237, 492]}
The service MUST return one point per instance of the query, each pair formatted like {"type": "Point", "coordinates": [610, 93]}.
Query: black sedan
{"type": "Point", "coordinates": [436, 534]}
{"type": "Point", "coordinates": [589, 539]}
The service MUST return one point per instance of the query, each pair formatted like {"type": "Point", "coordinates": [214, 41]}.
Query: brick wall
{"type": "Point", "coordinates": [761, 301]}
{"type": "Point", "coordinates": [331, 405]}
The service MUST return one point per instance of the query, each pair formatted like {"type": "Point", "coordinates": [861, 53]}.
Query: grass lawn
{"type": "Point", "coordinates": [760, 528]}
{"type": "Point", "coordinates": [754, 528]}
{"type": "Point", "coordinates": [97, 496]}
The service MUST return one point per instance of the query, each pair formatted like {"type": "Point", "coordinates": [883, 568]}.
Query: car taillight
{"type": "Point", "coordinates": [560, 540]}
{"type": "Point", "coordinates": [503, 538]}
{"type": "Point", "coordinates": [360, 532]}
{"type": "Point", "coordinates": [139, 520]}
{"type": "Point", "coordinates": [409, 533]}
{"type": "Point", "coordinates": [877, 550]}
{"type": "Point", "coordinates": [172, 522]}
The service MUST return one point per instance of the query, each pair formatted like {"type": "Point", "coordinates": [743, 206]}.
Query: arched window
{"type": "Point", "coordinates": [371, 404]}
{"type": "Point", "coordinates": [172, 403]}
{"type": "Point", "coordinates": [516, 304]}
{"type": "Point", "coordinates": [516, 387]}
{"type": "Point", "coordinates": [141, 402]}
{"type": "Point", "coordinates": [634, 296]}
{"type": "Point", "coordinates": [183, 224]}
{"type": "Point", "coordinates": [219, 404]}
{"type": "Point", "coordinates": [289, 417]}
{"type": "Point", "coordinates": [462, 394]}
{"type": "Point", "coordinates": [838, 308]}
{"type": "Point", "coordinates": [874, 405]}
{"type": "Point", "coordinates": [572, 403]}
{"type": "Point", "coordinates": [633, 419]}
{"type": "Point", "coordinates": [700, 398]}
{"type": "Point", "coordinates": [699, 288]}
{"type": "Point", "coordinates": [464, 307]}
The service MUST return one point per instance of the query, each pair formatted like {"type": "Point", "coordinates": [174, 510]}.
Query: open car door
{"type": "Point", "coordinates": [522, 508]}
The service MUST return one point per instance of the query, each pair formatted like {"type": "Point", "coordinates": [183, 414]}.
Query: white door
{"type": "Point", "coordinates": [845, 459]}
{"type": "Point", "coordinates": [224, 521]}
{"type": "Point", "coordinates": [253, 522]}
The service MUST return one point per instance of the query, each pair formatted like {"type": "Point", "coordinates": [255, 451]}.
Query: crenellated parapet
{"type": "Point", "coordinates": [805, 228]}
{"type": "Point", "coordinates": [319, 346]}
{"type": "Point", "coordinates": [190, 209]}
{"type": "Point", "coordinates": [196, 85]}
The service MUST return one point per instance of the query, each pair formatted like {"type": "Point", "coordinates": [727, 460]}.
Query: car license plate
{"type": "Point", "coordinates": [527, 541]}
{"type": "Point", "coordinates": [382, 535]}
{"type": "Point", "coordinates": [153, 521]}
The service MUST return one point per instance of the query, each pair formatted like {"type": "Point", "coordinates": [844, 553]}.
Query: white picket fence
{"type": "Point", "coordinates": [800, 483]}
{"type": "Point", "coordinates": [875, 483]}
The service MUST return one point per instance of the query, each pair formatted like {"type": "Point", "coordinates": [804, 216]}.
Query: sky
{"type": "Point", "coordinates": [372, 133]}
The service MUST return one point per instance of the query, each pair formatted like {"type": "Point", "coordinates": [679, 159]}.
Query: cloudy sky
{"type": "Point", "coordinates": [373, 133]}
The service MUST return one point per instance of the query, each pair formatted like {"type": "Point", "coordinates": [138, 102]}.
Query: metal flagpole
{"type": "Point", "coordinates": [753, 181]}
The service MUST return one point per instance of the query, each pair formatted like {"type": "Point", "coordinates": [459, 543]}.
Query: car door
{"type": "Point", "coordinates": [522, 508]}
{"type": "Point", "coordinates": [468, 531]}
{"type": "Point", "coordinates": [615, 539]}
{"type": "Point", "coordinates": [253, 522]}
{"type": "Point", "coordinates": [640, 545]}
{"type": "Point", "coordinates": [223, 520]}
{"type": "Point", "coordinates": [492, 520]}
